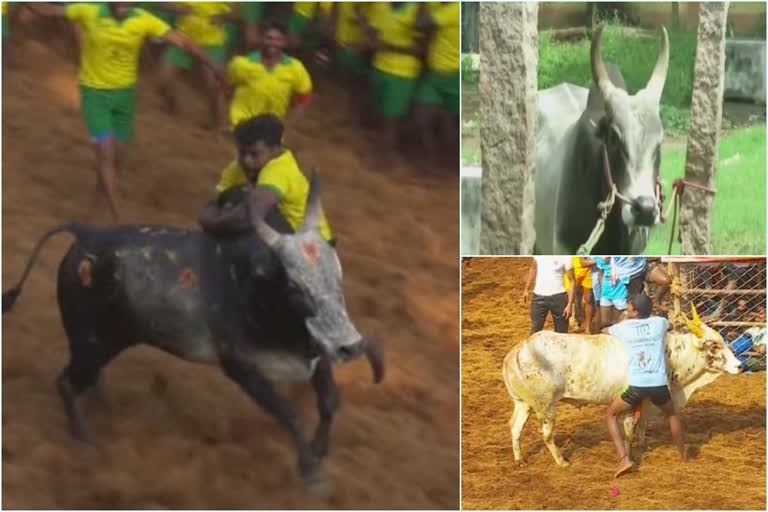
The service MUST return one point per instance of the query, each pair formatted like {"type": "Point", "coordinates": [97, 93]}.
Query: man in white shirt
{"type": "Point", "coordinates": [549, 293]}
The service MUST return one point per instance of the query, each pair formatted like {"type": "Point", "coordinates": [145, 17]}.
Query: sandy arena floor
{"type": "Point", "coordinates": [725, 425]}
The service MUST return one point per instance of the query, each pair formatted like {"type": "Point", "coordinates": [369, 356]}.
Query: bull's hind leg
{"type": "Point", "coordinates": [547, 433]}
{"type": "Point", "coordinates": [261, 390]}
{"type": "Point", "coordinates": [80, 375]}
{"type": "Point", "coordinates": [516, 424]}
{"type": "Point", "coordinates": [327, 403]}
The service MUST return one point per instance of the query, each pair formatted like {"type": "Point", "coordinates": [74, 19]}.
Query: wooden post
{"type": "Point", "coordinates": [704, 133]}
{"type": "Point", "coordinates": [508, 83]}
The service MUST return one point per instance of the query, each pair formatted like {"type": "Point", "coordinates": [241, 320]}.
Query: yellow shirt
{"type": "Point", "coordinates": [198, 25]}
{"type": "Point", "coordinates": [111, 48]}
{"type": "Point", "coordinates": [348, 31]}
{"type": "Point", "coordinates": [259, 90]}
{"type": "Point", "coordinates": [397, 26]}
{"type": "Point", "coordinates": [444, 49]}
{"type": "Point", "coordinates": [309, 9]}
{"type": "Point", "coordinates": [283, 176]}
{"type": "Point", "coordinates": [4, 7]}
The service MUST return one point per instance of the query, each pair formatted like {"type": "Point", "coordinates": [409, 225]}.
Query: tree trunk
{"type": "Point", "coordinates": [508, 65]}
{"type": "Point", "coordinates": [675, 16]}
{"type": "Point", "coordinates": [704, 133]}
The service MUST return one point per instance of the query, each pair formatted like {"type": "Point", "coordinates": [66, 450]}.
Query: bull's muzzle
{"type": "Point", "coordinates": [371, 347]}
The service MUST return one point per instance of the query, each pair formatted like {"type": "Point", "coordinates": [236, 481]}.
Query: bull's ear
{"type": "Point", "coordinates": [314, 207]}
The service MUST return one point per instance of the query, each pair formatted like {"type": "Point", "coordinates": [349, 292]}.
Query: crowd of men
{"type": "Point", "coordinates": [605, 285]}
{"type": "Point", "coordinates": [398, 63]}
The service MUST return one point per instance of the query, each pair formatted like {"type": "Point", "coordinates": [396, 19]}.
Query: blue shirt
{"type": "Point", "coordinates": [629, 266]}
{"type": "Point", "coordinates": [605, 266]}
{"type": "Point", "coordinates": [644, 339]}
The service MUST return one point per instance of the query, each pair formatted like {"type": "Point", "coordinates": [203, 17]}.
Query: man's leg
{"type": "Point", "coordinates": [675, 425]}
{"type": "Point", "coordinates": [173, 60]}
{"type": "Point", "coordinates": [557, 305]}
{"type": "Point", "coordinates": [212, 91]}
{"type": "Point", "coordinates": [393, 102]}
{"type": "Point", "coordinates": [539, 311]}
{"type": "Point", "coordinates": [658, 276]}
{"type": "Point", "coordinates": [619, 406]}
{"type": "Point", "coordinates": [587, 300]}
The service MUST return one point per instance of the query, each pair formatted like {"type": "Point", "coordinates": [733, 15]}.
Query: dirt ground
{"type": "Point", "coordinates": [725, 425]}
{"type": "Point", "coordinates": [179, 435]}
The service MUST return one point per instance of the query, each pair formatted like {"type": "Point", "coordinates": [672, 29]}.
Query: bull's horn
{"type": "Point", "coordinates": [314, 207]}
{"type": "Point", "coordinates": [655, 84]}
{"type": "Point", "coordinates": [696, 319]}
{"type": "Point", "coordinates": [599, 73]}
{"type": "Point", "coordinates": [694, 327]}
{"type": "Point", "coordinates": [372, 348]}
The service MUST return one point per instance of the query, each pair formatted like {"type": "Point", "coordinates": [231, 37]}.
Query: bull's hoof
{"type": "Point", "coordinates": [563, 463]}
{"type": "Point", "coordinates": [318, 485]}
{"type": "Point", "coordinates": [520, 464]}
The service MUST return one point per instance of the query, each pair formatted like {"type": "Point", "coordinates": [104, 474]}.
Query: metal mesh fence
{"type": "Point", "coordinates": [730, 296]}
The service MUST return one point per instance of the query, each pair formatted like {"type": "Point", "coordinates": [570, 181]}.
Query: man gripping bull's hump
{"type": "Point", "coordinates": [269, 173]}
{"type": "Point", "coordinates": [265, 306]}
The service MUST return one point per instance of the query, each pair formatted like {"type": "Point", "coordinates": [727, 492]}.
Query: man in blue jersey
{"type": "Point", "coordinates": [643, 335]}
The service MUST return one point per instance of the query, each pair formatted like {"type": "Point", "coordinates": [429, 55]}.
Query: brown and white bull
{"type": "Point", "coordinates": [579, 369]}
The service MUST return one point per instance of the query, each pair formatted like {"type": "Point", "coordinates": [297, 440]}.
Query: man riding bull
{"type": "Point", "coordinates": [267, 171]}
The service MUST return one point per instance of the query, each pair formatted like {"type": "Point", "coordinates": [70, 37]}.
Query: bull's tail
{"type": "Point", "coordinates": [11, 296]}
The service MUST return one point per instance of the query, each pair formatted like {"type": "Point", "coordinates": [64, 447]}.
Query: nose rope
{"type": "Point", "coordinates": [604, 207]}
{"type": "Point", "coordinates": [678, 187]}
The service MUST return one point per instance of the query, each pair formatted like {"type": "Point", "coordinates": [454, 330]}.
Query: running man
{"type": "Point", "coordinates": [269, 81]}
{"type": "Point", "coordinates": [582, 271]}
{"type": "Point", "coordinates": [398, 47]}
{"type": "Point", "coordinates": [113, 36]}
{"type": "Point", "coordinates": [643, 336]}
{"type": "Point", "coordinates": [549, 293]}
{"type": "Point", "coordinates": [352, 61]}
{"type": "Point", "coordinates": [253, 14]}
{"type": "Point", "coordinates": [272, 170]}
{"type": "Point", "coordinates": [437, 98]}
{"type": "Point", "coordinates": [202, 23]}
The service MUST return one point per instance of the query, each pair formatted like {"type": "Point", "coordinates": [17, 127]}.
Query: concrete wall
{"type": "Point", "coordinates": [743, 17]}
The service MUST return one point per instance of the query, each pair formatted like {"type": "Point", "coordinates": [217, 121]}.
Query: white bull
{"type": "Point", "coordinates": [580, 369]}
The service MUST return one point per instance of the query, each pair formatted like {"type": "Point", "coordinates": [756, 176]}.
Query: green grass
{"type": "Point", "coordinates": [635, 55]}
{"type": "Point", "coordinates": [738, 219]}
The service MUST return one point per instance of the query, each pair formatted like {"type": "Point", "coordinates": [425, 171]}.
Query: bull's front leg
{"type": "Point", "coordinates": [547, 433]}
{"type": "Point", "coordinates": [327, 404]}
{"type": "Point", "coordinates": [261, 390]}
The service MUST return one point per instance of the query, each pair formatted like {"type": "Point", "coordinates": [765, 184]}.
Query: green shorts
{"type": "Point", "coordinates": [440, 90]}
{"type": "Point", "coordinates": [253, 12]}
{"type": "Point", "coordinates": [6, 28]}
{"type": "Point", "coordinates": [392, 95]}
{"type": "Point", "coordinates": [232, 35]}
{"type": "Point", "coordinates": [302, 27]}
{"type": "Point", "coordinates": [108, 112]}
{"type": "Point", "coordinates": [352, 62]}
{"type": "Point", "coordinates": [183, 60]}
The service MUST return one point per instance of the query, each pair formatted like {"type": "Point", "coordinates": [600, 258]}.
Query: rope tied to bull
{"type": "Point", "coordinates": [678, 187]}
{"type": "Point", "coordinates": [604, 207]}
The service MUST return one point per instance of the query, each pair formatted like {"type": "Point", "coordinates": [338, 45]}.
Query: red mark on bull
{"type": "Point", "coordinates": [310, 252]}
{"type": "Point", "coordinates": [187, 277]}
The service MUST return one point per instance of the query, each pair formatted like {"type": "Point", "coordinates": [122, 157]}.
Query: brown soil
{"type": "Point", "coordinates": [179, 435]}
{"type": "Point", "coordinates": [725, 425]}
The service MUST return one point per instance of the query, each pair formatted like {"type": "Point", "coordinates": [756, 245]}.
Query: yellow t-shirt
{"type": "Point", "coordinates": [397, 26]}
{"type": "Point", "coordinates": [283, 176]}
{"type": "Point", "coordinates": [198, 25]}
{"type": "Point", "coordinates": [4, 6]}
{"type": "Point", "coordinates": [348, 31]}
{"type": "Point", "coordinates": [305, 9]}
{"type": "Point", "coordinates": [259, 90]}
{"type": "Point", "coordinates": [444, 49]}
{"type": "Point", "coordinates": [111, 48]}
{"type": "Point", "coordinates": [579, 271]}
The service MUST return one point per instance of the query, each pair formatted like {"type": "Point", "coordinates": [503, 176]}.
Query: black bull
{"type": "Point", "coordinates": [201, 298]}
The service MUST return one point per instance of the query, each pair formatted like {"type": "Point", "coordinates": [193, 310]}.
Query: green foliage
{"type": "Point", "coordinates": [470, 77]}
{"type": "Point", "coordinates": [738, 218]}
{"type": "Point", "coordinates": [634, 54]}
